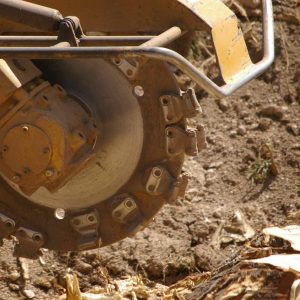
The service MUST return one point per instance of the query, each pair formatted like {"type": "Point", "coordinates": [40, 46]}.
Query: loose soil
{"type": "Point", "coordinates": [184, 237]}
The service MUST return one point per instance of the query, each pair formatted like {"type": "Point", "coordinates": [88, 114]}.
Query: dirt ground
{"type": "Point", "coordinates": [227, 183]}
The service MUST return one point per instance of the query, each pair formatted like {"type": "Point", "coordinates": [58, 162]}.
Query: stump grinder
{"type": "Point", "coordinates": [93, 125]}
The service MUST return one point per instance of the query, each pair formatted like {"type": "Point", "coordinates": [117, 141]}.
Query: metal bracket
{"type": "Point", "coordinates": [87, 226]}
{"type": "Point", "coordinates": [7, 226]}
{"type": "Point", "coordinates": [177, 107]}
{"type": "Point", "coordinates": [180, 141]}
{"type": "Point", "coordinates": [125, 209]}
{"type": "Point", "coordinates": [70, 32]}
{"type": "Point", "coordinates": [161, 183]}
{"type": "Point", "coordinates": [29, 243]}
{"type": "Point", "coordinates": [128, 68]}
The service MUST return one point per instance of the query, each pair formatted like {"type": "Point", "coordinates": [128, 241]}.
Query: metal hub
{"type": "Point", "coordinates": [26, 149]}
{"type": "Point", "coordinates": [47, 142]}
{"type": "Point", "coordinates": [116, 155]}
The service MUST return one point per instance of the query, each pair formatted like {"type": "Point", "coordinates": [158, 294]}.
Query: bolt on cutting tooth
{"type": "Point", "coordinates": [123, 211]}
{"type": "Point", "coordinates": [161, 183]}
{"type": "Point", "coordinates": [180, 141]}
{"type": "Point", "coordinates": [7, 227]}
{"type": "Point", "coordinates": [175, 107]}
{"type": "Point", "coordinates": [87, 225]}
{"type": "Point", "coordinates": [29, 243]}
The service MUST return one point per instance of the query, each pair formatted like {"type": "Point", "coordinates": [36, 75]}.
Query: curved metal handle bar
{"type": "Point", "coordinates": [206, 83]}
{"type": "Point", "coordinates": [163, 54]}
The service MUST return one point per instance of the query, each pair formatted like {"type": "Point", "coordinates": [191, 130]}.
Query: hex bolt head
{"type": "Point", "coordinates": [26, 170]}
{"type": "Point", "coordinates": [25, 128]}
{"type": "Point", "coordinates": [49, 173]}
{"type": "Point", "coordinates": [46, 150]}
{"type": "Point", "coordinates": [60, 213]}
{"type": "Point", "coordinates": [139, 91]}
{"type": "Point", "coordinates": [16, 178]}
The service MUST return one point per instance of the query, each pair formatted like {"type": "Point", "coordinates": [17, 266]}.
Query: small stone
{"type": "Point", "coordinates": [223, 104]}
{"type": "Point", "coordinates": [24, 262]}
{"type": "Point", "coordinates": [249, 157]}
{"type": "Point", "coordinates": [84, 268]}
{"type": "Point", "coordinates": [296, 146]}
{"type": "Point", "coordinates": [232, 133]}
{"type": "Point", "coordinates": [217, 215]}
{"type": "Point", "coordinates": [199, 231]}
{"type": "Point", "coordinates": [14, 287]}
{"type": "Point", "coordinates": [264, 124]}
{"type": "Point", "coordinates": [43, 282]}
{"type": "Point", "coordinates": [215, 165]}
{"type": "Point", "coordinates": [191, 194]}
{"type": "Point", "coordinates": [286, 119]}
{"type": "Point", "coordinates": [14, 276]}
{"type": "Point", "coordinates": [29, 294]}
{"type": "Point", "coordinates": [212, 228]}
{"type": "Point", "coordinates": [293, 129]}
{"type": "Point", "coordinates": [272, 111]}
{"type": "Point", "coordinates": [244, 114]}
{"type": "Point", "coordinates": [247, 95]}
{"type": "Point", "coordinates": [241, 130]}
{"type": "Point", "coordinates": [249, 120]}
{"type": "Point", "coordinates": [206, 258]}
{"type": "Point", "coordinates": [193, 191]}
{"type": "Point", "coordinates": [210, 178]}
{"type": "Point", "coordinates": [250, 140]}
{"type": "Point", "coordinates": [297, 76]}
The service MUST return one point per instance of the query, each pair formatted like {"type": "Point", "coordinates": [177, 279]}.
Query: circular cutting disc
{"type": "Point", "coordinates": [90, 210]}
{"type": "Point", "coordinates": [109, 96]}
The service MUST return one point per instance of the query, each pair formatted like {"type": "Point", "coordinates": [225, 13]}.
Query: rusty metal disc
{"type": "Point", "coordinates": [109, 199]}
{"type": "Point", "coordinates": [111, 99]}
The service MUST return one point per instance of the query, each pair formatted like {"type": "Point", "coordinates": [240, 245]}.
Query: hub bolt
{"type": "Point", "coordinates": [25, 128]}
{"type": "Point", "coordinates": [46, 150]}
{"type": "Point", "coordinates": [26, 170]}
{"type": "Point", "coordinates": [16, 178]}
{"type": "Point", "coordinates": [49, 173]}
{"type": "Point", "coordinates": [139, 91]}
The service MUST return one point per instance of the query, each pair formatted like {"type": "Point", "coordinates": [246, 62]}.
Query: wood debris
{"type": "Point", "coordinates": [267, 268]}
